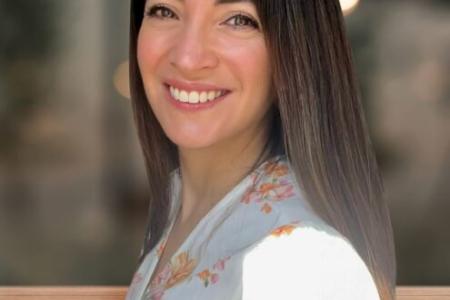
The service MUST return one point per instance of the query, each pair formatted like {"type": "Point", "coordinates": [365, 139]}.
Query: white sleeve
{"type": "Point", "coordinates": [306, 263]}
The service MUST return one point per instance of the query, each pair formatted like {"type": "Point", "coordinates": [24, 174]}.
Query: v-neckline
{"type": "Point", "coordinates": [243, 183]}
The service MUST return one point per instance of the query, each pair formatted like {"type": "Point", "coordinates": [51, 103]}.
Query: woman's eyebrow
{"type": "Point", "coordinates": [217, 2]}
{"type": "Point", "coordinates": [230, 1]}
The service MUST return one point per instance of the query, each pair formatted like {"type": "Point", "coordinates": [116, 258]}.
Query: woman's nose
{"type": "Point", "coordinates": [192, 52]}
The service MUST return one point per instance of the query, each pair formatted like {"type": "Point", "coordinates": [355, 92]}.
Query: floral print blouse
{"type": "Point", "coordinates": [261, 241]}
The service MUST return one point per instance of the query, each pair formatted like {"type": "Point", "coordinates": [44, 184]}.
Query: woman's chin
{"type": "Point", "coordinates": [192, 142]}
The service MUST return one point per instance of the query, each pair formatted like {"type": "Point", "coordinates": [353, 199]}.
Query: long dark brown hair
{"type": "Point", "coordinates": [317, 121]}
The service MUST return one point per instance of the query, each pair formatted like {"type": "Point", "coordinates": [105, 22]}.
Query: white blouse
{"type": "Point", "coordinates": [261, 241]}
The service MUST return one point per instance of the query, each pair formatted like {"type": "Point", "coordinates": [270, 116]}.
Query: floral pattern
{"type": "Point", "coordinates": [207, 276]}
{"type": "Point", "coordinates": [175, 272]}
{"type": "Point", "coordinates": [275, 168]}
{"type": "Point", "coordinates": [277, 187]}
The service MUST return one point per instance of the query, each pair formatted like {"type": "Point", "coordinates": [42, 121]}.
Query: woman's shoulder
{"type": "Point", "coordinates": [299, 255]}
{"type": "Point", "coordinates": [308, 260]}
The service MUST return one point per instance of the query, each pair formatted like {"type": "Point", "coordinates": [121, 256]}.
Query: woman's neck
{"type": "Point", "coordinates": [209, 173]}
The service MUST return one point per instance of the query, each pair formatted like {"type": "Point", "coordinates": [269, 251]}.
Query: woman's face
{"type": "Point", "coordinates": [205, 69]}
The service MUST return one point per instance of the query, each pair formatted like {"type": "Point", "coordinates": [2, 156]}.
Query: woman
{"type": "Point", "coordinates": [263, 180]}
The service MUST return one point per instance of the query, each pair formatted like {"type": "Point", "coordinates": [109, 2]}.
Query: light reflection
{"type": "Point", "coordinates": [121, 81]}
{"type": "Point", "coordinates": [348, 6]}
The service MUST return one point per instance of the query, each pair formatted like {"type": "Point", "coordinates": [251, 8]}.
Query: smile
{"type": "Point", "coordinates": [195, 97]}
{"type": "Point", "coordinates": [191, 97]}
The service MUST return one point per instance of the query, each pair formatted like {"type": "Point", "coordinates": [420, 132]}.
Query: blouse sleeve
{"type": "Point", "coordinates": [306, 263]}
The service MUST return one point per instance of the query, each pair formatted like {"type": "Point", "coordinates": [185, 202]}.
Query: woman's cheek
{"type": "Point", "coordinates": [150, 49]}
{"type": "Point", "coordinates": [146, 52]}
{"type": "Point", "coordinates": [247, 56]}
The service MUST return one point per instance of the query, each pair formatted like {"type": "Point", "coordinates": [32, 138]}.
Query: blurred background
{"type": "Point", "coordinates": [73, 192]}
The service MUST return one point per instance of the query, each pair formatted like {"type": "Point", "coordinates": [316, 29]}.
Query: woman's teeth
{"type": "Point", "coordinates": [194, 97]}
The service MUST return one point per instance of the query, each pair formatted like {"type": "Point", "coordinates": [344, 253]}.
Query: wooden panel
{"type": "Point", "coordinates": [118, 293]}
{"type": "Point", "coordinates": [63, 293]}
{"type": "Point", "coordinates": [423, 293]}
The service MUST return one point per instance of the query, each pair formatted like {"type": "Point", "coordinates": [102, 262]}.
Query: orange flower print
{"type": "Point", "coordinates": [279, 191]}
{"type": "Point", "coordinates": [284, 229]}
{"type": "Point", "coordinates": [266, 208]}
{"type": "Point", "coordinates": [274, 186]}
{"type": "Point", "coordinates": [181, 269]}
{"type": "Point", "coordinates": [276, 169]}
{"type": "Point", "coordinates": [204, 276]}
{"type": "Point", "coordinates": [266, 188]}
{"type": "Point", "coordinates": [176, 271]}
{"type": "Point", "coordinates": [268, 192]}
{"type": "Point", "coordinates": [210, 277]}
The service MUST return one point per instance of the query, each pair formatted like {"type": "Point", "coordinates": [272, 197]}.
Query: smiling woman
{"type": "Point", "coordinates": [263, 180]}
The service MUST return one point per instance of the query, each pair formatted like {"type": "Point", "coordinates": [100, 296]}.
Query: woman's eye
{"type": "Point", "coordinates": [160, 11]}
{"type": "Point", "coordinates": [242, 20]}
